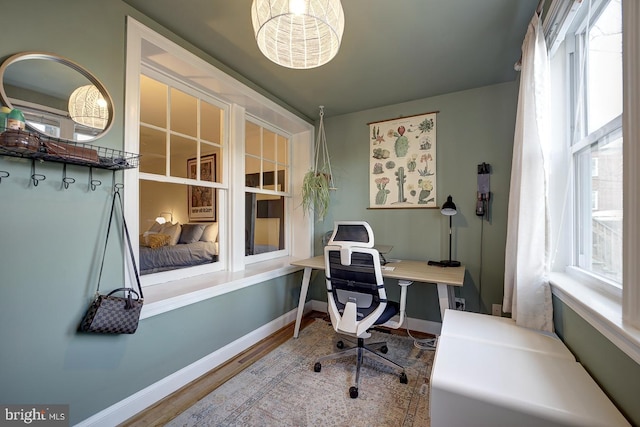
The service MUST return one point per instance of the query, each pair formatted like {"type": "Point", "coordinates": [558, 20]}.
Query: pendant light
{"type": "Point", "coordinates": [88, 107]}
{"type": "Point", "coordinates": [298, 34]}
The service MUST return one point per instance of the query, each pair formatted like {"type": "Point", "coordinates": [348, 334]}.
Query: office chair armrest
{"type": "Point", "coordinates": [404, 284]}
{"type": "Point", "coordinates": [403, 305]}
{"type": "Point", "coordinates": [349, 323]}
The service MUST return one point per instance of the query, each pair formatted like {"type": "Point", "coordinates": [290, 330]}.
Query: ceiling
{"type": "Point", "coordinates": [392, 51]}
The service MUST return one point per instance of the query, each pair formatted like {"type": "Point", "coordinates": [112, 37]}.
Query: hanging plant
{"type": "Point", "coordinates": [318, 181]}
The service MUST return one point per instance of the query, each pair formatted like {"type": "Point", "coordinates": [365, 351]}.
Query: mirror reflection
{"type": "Point", "coordinates": [58, 97]}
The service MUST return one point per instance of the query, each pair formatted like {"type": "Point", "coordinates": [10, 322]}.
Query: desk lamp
{"type": "Point", "coordinates": [448, 209]}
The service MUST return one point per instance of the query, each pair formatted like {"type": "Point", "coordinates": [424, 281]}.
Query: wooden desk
{"type": "Point", "coordinates": [405, 270]}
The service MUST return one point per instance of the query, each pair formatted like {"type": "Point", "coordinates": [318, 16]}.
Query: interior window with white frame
{"type": "Point", "coordinates": [181, 176]}
{"type": "Point", "coordinates": [267, 192]}
{"type": "Point", "coordinates": [595, 58]}
{"type": "Point", "coordinates": [205, 113]}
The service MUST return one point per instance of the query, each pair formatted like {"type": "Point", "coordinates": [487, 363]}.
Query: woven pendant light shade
{"type": "Point", "coordinates": [88, 107]}
{"type": "Point", "coordinates": [298, 33]}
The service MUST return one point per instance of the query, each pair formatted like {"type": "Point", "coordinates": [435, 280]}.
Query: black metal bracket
{"type": "Point", "coordinates": [93, 183]}
{"type": "Point", "coordinates": [36, 177]}
{"type": "Point", "coordinates": [65, 180]}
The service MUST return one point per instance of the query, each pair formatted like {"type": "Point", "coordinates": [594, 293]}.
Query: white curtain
{"type": "Point", "coordinates": [527, 294]}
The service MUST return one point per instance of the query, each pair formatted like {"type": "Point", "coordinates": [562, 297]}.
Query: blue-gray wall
{"type": "Point", "coordinates": [473, 126]}
{"type": "Point", "coordinates": [50, 238]}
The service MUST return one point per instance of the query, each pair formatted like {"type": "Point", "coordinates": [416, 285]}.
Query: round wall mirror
{"type": "Point", "coordinates": [58, 97]}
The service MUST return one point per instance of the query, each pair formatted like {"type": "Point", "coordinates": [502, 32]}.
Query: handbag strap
{"type": "Point", "coordinates": [126, 233]}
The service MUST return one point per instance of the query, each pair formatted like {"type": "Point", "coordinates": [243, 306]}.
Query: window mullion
{"type": "Point", "coordinates": [198, 136]}
{"type": "Point", "coordinates": [167, 170]}
{"type": "Point", "coordinates": [261, 175]}
{"type": "Point", "coordinates": [631, 158]}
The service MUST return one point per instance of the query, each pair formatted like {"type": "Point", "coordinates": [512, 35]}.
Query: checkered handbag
{"type": "Point", "coordinates": [111, 314]}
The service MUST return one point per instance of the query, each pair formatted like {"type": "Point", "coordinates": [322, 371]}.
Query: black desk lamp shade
{"type": "Point", "coordinates": [449, 209]}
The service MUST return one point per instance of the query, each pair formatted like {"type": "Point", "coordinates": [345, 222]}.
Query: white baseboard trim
{"type": "Point", "coordinates": [132, 405]}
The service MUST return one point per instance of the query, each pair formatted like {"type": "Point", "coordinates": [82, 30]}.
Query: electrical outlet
{"type": "Point", "coordinates": [496, 309]}
{"type": "Point", "coordinates": [460, 304]}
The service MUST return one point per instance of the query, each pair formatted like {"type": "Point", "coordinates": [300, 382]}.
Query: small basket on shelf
{"type": "Point", "coordinates": [20, 143]}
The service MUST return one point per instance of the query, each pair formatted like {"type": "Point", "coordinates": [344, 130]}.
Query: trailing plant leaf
{"type": "Point", "coordinates": [318, 181]}
{"type": "Point", "coordinates": [315, 193]}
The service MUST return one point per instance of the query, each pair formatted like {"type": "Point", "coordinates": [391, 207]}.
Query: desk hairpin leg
{"type": "Point", "coordinates": [306, 277]}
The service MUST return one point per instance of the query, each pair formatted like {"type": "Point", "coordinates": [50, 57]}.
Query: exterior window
{"type": "Point", "coordinates": [597, 141]}
{"type": "Point", "coordinates": [56, 123]}
{"type": "Point", "coordinates": [50, 122]}
{"type": "Point", "coordinates": [181, 176]}
{"type": "Point", "coordinates": [267, 193]}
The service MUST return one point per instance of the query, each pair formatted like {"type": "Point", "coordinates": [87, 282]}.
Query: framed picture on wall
{"type": "Point", "coordinates": [202, 200]}
{"type": "Point", "coordinates": [402, 157]}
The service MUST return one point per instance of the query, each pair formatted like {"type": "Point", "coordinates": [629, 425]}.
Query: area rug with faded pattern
{"type": "Point", "coordinates": [282, 389]}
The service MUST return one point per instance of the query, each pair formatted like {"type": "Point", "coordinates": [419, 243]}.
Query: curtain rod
{"type": "Point", "coordinates": [518, 65]}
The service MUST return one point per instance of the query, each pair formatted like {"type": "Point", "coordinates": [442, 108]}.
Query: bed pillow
{"type": "Point", "coordinates": [191, 233]}
{"type": "Point", "coordinates": [154, 240]}
{"type": "Point", "coordinates": [210, 233]}
{"type": "Point", "coordinates": [144, 241]}
{"type": "Point", "coordinates": [173, 230]}
{"type": "Point", "coordinates": [156, 227]}
{"type": "Point", "coordinates": [158, 240]}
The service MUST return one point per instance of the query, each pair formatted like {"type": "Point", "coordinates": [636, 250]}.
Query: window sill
{"type": "Point", "coordinates": [171, 295]}
{"type": "Point", "coordinates": [601, 310]}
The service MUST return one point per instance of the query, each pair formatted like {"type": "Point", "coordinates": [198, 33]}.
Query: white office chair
{"type": "Point", "coordinates": [357, 300]}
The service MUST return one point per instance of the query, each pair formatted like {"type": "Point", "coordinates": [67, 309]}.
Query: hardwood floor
{"type": "Point", "coordinates": [173, 405]}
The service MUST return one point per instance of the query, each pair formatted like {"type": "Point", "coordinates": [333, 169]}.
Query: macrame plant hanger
{"type": "Point", "coordinates": [321, 146]}
{"type": "Point", "coordinates": [319, 181]}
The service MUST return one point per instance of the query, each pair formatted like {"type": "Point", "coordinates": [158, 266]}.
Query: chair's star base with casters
{"type": "Point", "coordinates": [356, 297]}
{"type": "Point", "coordinates": [362, 350]}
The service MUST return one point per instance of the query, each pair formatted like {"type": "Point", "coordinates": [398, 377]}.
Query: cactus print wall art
{"type": "Point", "coordinates": [403, 162]}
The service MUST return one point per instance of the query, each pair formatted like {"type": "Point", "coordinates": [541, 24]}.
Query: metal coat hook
{"type": "Point", "coordinates": [93, 183]}
{"type": "Point", "coordinates": [116, 186]}
{"type": "Point", "coordinates": [3, 174]}
{"type": "Point", "coordinates": [36, 177]}
{"type": "Point", "coordinates": [66, 181]}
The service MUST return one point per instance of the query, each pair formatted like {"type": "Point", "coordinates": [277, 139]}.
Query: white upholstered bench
{"type": "Point", "coordinates": [489, 372]}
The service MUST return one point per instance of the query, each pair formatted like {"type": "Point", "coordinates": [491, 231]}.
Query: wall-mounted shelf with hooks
{"type": "Point", "coordinates": [18, 143]}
